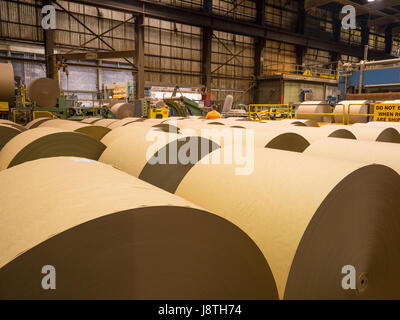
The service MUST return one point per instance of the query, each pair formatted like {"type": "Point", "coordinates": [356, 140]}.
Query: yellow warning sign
{"type": "Point", "coordinates": [387, 112]}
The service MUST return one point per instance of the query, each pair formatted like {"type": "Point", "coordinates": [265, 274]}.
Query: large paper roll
{"type": "Point", "coordinates": [395, 125]}
{"type": "Point", "coordinates": [305, 108]}
{"type": "Point", "coordinates": [315, 134]}
{"type": "Point", "coordinates": [105, 122]}
{"type": "Point", "coordinates": [91, 120]}
{"type": "Point", "coordinates": [298, 122]}
{"type": "Point", "coordinates": [44, 92]}
{"type": "Point", "coordinates": [123, 110]}
{"type": "Point", "coordinates": [356, 107]}
{"type": "Point", "coordinates": [370, 133]}
{"type": "Point", "coordinates": [111, 236]}
{"type": "Point", "coordinates": [298, 137]}
{"type": "Point", "coordinates": [155, 121]}
{"type": "Point", "coordinates": [311, 216]}
{"type": "Point", "coordinates": [263, 136]}
{"type": "Point", "coordinates": [273, 139]}
{"type": "Point", "coordinates": [154, 156]}
{"type": "Point", "coordinates": [48, 142]}
{"type": "Point", "coordinates": [36, 123]}
{"type": "Point", "coordinates": [167, 127]}
{"type": "Point", "coordinates": [7, 85]}
{"type": "Point", "coordinates": [94, 131]}
{"type": "Point", "coordinates": [387, 154]}
{"type": "Point", "coordinates": [12, 124]}
{"type": "Point", "coordinates": [174, 119]}
{"type": "Point", "coordinates": [122, 122]}
{"type": "Point", "coordinates": [7, 132]}
{"type": "Point", "coordinates": [134, 128]}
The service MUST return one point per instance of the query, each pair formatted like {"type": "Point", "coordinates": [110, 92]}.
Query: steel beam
{"type": "Point", "coordinates": [201, 19]}
{"type": "Point", "coordinates": [260, 15]}
{"type": "Point", "coordinates": [389, 39]}
{"type": "Point", "coordinates": [140, 61]}
{"type": "Point", "coordinates": [364, 33]}
{"type": "Point", "coordinates": [207, 34]}
{"type": "Point", "coordinates": [301, 28]}
{"type": "Point", "coordinates": [102, 55]}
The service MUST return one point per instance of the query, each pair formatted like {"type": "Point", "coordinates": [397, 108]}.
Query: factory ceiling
{"type": "Point", "coordinates": [377, 13]}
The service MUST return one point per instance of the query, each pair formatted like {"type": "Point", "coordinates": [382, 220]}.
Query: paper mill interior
{"type": "Point", "coordinates": [199, 150]}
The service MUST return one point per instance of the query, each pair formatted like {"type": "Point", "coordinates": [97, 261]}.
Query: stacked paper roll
{"type": "Point", "coordinates": [305, 108]}
{"type": "Point", "coordinates": [315, 134]}
{"type": "Point", "coordinates": [7, 132]}
{"type": "Point", "coordinates": [154, 155]}
{"type": "Point", "coordinates": [299, 122]}
{"type": "Point", "coordinates": [134, 241]}
{"type": "Point", "coordinates": [48, 142]}
{"type": "Point", "coordinates": [137, 128]}
{"type": "Point", "coordinates": [122, 122]}
{"type": "Point", "coordinates": [293, 138]}
{"type": "Point", "coordinates": [311, 216]}
{"type": "Point", "coordinates": [44, 92]}
{"type": "Point", "coordinates": [36, 123]}
{"type": "Point", "coordinates": [287, 140]}
{"type": "Point", "coordinates": [370, 133]}
{"type": "Point", "coordinates": [94, 131]}
{"type": "Point", "coordinates": [105, 122]}
{"type": "Point", "coordinates": [362, 151]}
{"type": "Point", "coordinates": [12, 124]}
{"type": "Point", "coordinates": [91, 120]}
{"type": "Point", "coordinates": [395, 125]}
{"type": "Point", "coordinates": [7, 84]}
{"type": "Point", "coordinates": [356, 107]}
{"type": "Point", "coordinates": [123, 110]}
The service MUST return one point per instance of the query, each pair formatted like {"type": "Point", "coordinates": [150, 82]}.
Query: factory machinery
{"type": "Point", "coordinates": [43, 98]}
{"type": "Point", "coordinates": [369, 91]}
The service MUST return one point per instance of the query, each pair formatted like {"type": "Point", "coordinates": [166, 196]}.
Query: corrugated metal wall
{"type": "Point", "coordinates": [232, 66]}
{"type": "Point", "coordinates": [173, 52]}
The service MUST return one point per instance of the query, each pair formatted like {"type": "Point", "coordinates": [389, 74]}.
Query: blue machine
{"type": "Point", "coordinates": [383, 78]}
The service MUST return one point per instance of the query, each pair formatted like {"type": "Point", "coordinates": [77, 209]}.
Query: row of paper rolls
{"type": "Point", "coordinates": [87, 198]}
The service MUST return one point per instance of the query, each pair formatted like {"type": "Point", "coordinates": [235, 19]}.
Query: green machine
{"type": "Point", "coordinates": [22, 114]}
{"type": "Point", "coordinates": [182, 106]}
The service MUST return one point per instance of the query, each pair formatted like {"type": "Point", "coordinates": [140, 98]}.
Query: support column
{"type": "Point", "coordinates": [99, 85]}
{"type": "Point", "coordinates": [207, 6]}
{"type": "Point", "coordinates": [140, 61]}
{"type": "Point", "coordinates": [207, 34]}
{"type": "Point", "coordinates": [389, 39]}
{"type": "Point", "coordinates": [259, 45]}
{"type": "Point", "coordinates": [364, 33]}
{"type": "Point", "coordinates": [336, 33]}
{"type": "Point", "coordinates": [300, 52]}
{"type": "Point", "coordinates": [206, 66]}
{"type": "Point", "coordinates": [337, 24]}
{"type": "Point", "coordinates": [51, 63]}
{"type": "Point", "coordinates": [301, 28]}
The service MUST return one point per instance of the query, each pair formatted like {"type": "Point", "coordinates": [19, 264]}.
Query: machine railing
{"type": "Point", "coordinates": [259, 112]}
